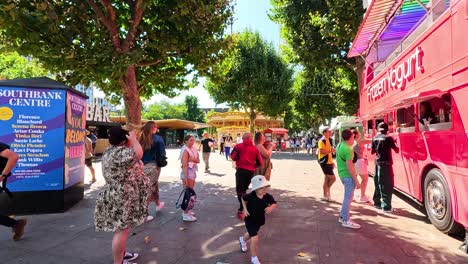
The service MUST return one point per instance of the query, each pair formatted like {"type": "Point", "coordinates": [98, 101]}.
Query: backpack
{"type": "Point", "coordinates": [324, 159]}
{"type": "Point", "coordinates": [189, 199]}
{"type": "Point", "coordinates": [161, 161]}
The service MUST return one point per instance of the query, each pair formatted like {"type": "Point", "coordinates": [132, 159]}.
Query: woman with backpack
{"type": "Point", "coordinates": [154, 157]}
{"type": "Point", "coordinates": [189, 159]}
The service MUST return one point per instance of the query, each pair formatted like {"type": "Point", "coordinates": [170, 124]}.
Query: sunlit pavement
{"type": "Point", "coordinates": [303, 229]}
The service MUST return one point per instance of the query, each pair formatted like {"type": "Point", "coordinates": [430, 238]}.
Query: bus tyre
{"type": "Point", "coordinates": [438, 202]}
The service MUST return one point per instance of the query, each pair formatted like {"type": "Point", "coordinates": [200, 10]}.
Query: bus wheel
{"type": "Point", "coordinates": [437, 202]}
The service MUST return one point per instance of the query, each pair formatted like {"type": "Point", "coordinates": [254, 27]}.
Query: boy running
{"type": "Point", "coordinates": [256, 204]}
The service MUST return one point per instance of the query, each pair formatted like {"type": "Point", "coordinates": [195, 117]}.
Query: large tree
{"type": "Point", "coordinates": [192, 111]}
{"type": "Point", "coordinates": [252, 77]}
{"type": "Point", "coordinates": [127, 48]}
{"type": "Point", "coordinates": [12, 66]}
{"type": "Point", "coordinates": [320, 33]}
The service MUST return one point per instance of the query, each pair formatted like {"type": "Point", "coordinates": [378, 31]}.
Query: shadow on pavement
{"type": "Point", "coordinates": [299, 225]}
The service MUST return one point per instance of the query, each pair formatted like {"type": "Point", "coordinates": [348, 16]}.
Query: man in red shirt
{"type": "Point", "coordinates": [247, 158]}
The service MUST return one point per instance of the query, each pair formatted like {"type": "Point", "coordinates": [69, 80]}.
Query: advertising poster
{"type": "Point", "coordinates": [32, 123]}
{"type": "Point", "coordinates": [74, 140]}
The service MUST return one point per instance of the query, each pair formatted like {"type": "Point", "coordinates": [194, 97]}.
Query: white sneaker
{"type": "Point", "coordinates": [160, 206]}
{"type": "Point", "coordinates": [128, 262]}
{"type": "Point", "coordinates": [243, 245]}
{"type": "Point", "coordinates": [363, 199]}
{"type": "Point", "coordinates": [130, 256]}
{"type": "Point", "coordinates": [391, 211]}
{"type": "Point", "coordinates": [188, 218]}
{"type": "Point", "coordinates": [350, 224]}
{"type": "Point", "coordinates": [254, 260]}
{"type": "Point", "coordinates": [340, 220]}
{"type": "Point", "coordinates": [149, 218]}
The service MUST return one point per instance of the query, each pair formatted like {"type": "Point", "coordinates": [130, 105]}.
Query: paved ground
{"type": "Point", "coordinates": [302, 223]}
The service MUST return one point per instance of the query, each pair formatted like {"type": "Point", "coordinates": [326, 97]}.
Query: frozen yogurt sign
{"type": "Point", "coordinates": [397, 77]}
{"type": "Point", "coordinates": [96, 112]}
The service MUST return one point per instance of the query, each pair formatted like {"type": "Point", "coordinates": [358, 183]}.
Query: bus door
{"type": "Point", "coordinates": [369, 133]}
{"type": "Point", "coordinates": [409, 140]}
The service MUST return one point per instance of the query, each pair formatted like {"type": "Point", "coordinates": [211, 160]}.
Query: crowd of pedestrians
{"type": "Point", "coordinates": [131, 167]}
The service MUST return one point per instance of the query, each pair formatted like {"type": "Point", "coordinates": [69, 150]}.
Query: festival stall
{"type": "Point", "coordinates": [277, 135]}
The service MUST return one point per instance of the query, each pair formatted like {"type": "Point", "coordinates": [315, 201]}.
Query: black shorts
{"type": "Point", "coordinates": [89, 162]}
{"type": "Point", "coordinates": [243, 178]}
{"type": "Point", "coordinates": [327, 169]}
{"type": "Point", "coordinates": [252, 228]}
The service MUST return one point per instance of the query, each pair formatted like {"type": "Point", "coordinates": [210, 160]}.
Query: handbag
{"type": "Point", "coordinates": [161, 161]}
{"type": "Point", "coordinates": [188, 200]}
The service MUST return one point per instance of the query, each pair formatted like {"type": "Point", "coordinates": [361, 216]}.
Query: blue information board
{"type": "Point", "coordinates": [32, 122]}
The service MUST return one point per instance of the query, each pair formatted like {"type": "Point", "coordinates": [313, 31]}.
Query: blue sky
{"type": "Point", "coordinates": [248, 14]}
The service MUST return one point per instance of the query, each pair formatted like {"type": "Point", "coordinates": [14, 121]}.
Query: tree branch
{"type": "Point", "coordinates": [149, 63]}
{"type": "Point", "coordinates": [135, 22]}
{"type": "Point", "coordinates": [109, 22]}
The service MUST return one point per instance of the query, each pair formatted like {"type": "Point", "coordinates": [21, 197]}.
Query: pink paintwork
{"type": "Point", "coordinates": [444, 47]}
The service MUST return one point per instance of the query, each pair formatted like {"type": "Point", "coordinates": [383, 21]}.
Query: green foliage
{"type": "Point", "coordinates": [320, 96]}
{"type": "Point", "coordinates": [14, 66]}
{"type": "Point", "coordinates": [319, 31]}
{"type": "Point", "coordinates": [319, 34]}
{"type": "Point", "coordinates": [127, 48]}
{"type": "Point", "coordinates": [164, 110]}
{"type": "Point", "coordinates": [252, 77]}
{"type": "Point", "coordinates": [192, 112]}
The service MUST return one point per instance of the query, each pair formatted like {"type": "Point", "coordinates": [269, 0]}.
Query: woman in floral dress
{"type": "Point", "coordinates": [122, 202]}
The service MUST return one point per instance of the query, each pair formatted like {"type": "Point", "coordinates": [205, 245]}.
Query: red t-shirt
{"type": "Point", "coordinates": [246, 156]}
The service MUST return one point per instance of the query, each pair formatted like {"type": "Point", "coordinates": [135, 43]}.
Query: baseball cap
{"type": "Point", "coordinates": [325, 129]}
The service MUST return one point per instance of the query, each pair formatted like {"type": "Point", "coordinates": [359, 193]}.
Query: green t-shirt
{"type": "Point", "coordinates": [343, 153]}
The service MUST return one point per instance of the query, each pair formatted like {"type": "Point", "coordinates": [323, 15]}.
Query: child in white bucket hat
{"type": "Point", "coordinates": [256, 204]}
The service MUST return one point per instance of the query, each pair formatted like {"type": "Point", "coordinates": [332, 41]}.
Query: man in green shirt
{"type": "Point", "coordinates": [348, 176]}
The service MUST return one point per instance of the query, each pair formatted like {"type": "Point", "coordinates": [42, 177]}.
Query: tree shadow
{"type": "Point", "coordinates": [299, 224]}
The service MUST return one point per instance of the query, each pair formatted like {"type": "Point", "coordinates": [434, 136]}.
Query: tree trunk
{"type": "Point", "coordinates": [131, 97]}
{"type": "Point", "coordinates": [252, 117]}
{"type": "Point", "coordinates": [359, 68]}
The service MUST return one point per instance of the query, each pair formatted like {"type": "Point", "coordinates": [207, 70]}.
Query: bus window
{"type": "Point", "coordinates": [405, 119]}
{"type": "Point", "coordinates": [447, 108]}
{"type": "Point", "coordinates": [370, 126]}
{"type": "Point", "coordinates": [390, 122]}
{"type": "Point", "coordinates": [440, 113]}
{"type": "Point", "coordinates": [378, 121]}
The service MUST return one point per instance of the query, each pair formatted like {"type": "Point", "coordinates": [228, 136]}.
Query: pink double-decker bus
{"type": "Point", "coordinates": [416, 80]}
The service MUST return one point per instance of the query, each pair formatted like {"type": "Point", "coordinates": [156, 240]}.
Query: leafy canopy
{"type": "Point", "coordinates": [318, 35]}
{"type": "Point", "coordinates": [12, 66]}
{"type": "Point", "coordinates": [252, 77]}
{"type": "Point", "coordinates": [127, 48]}
{"type": "Point", "coordinates": [319, 31]}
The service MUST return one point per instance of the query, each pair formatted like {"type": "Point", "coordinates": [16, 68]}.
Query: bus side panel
{"type": "Point", "coordinates": [459, 44]}
{"type": "Point", "coordinates": [460, 178]}
{"type": "Point", "coordinates": [407, 162]}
